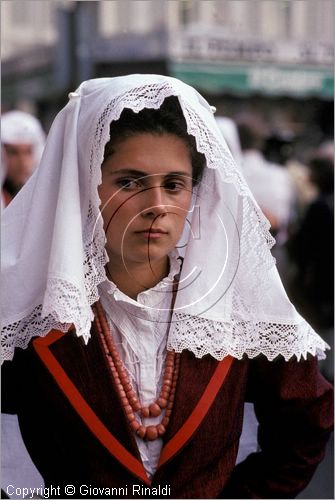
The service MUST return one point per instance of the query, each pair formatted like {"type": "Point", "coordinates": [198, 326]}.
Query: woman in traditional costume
{"type": "Point", "coordinates": [142, 308]}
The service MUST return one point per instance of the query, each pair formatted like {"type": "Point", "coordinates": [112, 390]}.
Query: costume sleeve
{"type": "Point", "coordinates": [294, 406]}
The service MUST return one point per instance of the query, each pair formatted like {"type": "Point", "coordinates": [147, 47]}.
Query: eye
{"type": "Point", "coordinates": [127, 183]}
{"type": "Point", "coordinates": [174, 185]}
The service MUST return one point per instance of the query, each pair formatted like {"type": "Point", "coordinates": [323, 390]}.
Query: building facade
{"type": "Point", "coordinates": [255, 53]}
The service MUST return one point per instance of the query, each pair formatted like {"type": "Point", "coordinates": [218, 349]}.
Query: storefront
{"type": "Point", "coordinates": [244, 79]}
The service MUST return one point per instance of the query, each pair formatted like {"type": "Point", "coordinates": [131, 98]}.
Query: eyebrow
{"type": "Point", "coordinates": [139, 173]}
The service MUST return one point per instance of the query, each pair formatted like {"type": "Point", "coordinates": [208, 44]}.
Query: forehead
{"type": "Point", "coordinates": [151, 153]}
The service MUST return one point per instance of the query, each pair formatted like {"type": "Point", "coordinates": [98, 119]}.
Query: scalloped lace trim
{"type": "Point", "coordinates": [24, 330]}
{"type": "Point", "coordinates": [237, 338]}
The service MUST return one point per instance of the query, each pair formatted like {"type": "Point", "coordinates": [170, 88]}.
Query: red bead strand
{"type": "Point", "coordinates": [127, 395]}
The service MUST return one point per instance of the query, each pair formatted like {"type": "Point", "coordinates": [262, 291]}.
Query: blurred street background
{"type": "Point", "coordinates": [274, 56]}
{"type": "Point", "coordinates": [266, 66]}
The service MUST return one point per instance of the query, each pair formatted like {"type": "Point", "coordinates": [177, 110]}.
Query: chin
{"type": "Point", "coordinates": [144, 258]}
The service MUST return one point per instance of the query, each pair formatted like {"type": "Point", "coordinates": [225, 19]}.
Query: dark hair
{"type": "Point", "coordinates": [168, 119]}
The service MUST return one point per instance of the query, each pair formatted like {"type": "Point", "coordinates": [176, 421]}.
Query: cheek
{"type": "Point", "coordinates": [179, 217]}
{"type": "Point", "coordinates": [116, 210]}
{"type": "Point", "coordinates": [184, 206]}
{"type": "Point", "coordinates": [11, 163]}
{"type": "Point", "coordinates": [28, 161]}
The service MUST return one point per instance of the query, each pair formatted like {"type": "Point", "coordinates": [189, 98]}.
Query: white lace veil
{"type": "Point", "coordinates": [230, 298]}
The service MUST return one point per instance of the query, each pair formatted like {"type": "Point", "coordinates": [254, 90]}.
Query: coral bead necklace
{"type": "Point", "coordinates": [127, 395]}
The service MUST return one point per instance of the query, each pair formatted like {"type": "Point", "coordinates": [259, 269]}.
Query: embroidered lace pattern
{"type": "Point", "coordinates": [237, 338]}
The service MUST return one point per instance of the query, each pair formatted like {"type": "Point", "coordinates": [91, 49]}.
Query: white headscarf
{"type": "Point", "coordinates": [230, 298]}
{"type": "Point", "coordinates": [18, 127]}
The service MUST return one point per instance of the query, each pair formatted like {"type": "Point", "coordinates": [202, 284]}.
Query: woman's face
{"type": "Point", "coordinates": [19, 160]}
{"type": "Point", "coordinates": [145, 197]}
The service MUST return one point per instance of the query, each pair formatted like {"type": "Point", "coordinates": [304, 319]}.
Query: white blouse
{"type": "Point", "coordinates": [140, 329]}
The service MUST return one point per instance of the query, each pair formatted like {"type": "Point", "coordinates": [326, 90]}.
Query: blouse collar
{"type": "Point", "coordinates": [143, 297]}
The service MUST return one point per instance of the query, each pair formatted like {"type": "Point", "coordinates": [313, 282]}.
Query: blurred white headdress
{"type": "Point", "coordinates": [230, 298]}
{"type": "Point", "coordinates": [18, 127]}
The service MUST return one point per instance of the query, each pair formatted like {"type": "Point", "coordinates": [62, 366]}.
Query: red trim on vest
{"type": "Point", "coordinates": [41, 346]}
{"type": "Point", "coordinates": [86, 413]}
{"type": "Point", "coordinates": [199, 412]}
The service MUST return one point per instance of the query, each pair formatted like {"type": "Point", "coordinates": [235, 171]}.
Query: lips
{"type": "Point", "coordinates": [152, 231]}
{"type": "Point", "coordinates": [152, 234]}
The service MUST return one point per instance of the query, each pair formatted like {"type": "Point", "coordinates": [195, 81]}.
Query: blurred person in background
{"type": "Point", "coordinates": [22, 143]}
{"type": "Point", "coordinates": [327, 149]}
{"type": "Point", "coordinates": [270, 183]}
{"type": "Point", "coordinates": [305, 190]}
{"type": "Point", "coordinates": [312, 250]}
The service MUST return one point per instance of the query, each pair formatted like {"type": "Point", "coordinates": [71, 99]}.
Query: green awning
{"type": "Point", "coordinates": [247, 79]}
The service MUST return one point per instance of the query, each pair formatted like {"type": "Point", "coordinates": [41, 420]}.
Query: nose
{"type": "Point", "coordinates": [155, 202]}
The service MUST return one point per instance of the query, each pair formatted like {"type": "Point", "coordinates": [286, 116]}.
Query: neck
{"type": "Point", "coordinates": [137, 277]}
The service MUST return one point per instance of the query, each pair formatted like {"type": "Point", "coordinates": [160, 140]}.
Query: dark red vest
{"type": "Point", "coordinates": [77, 434]}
